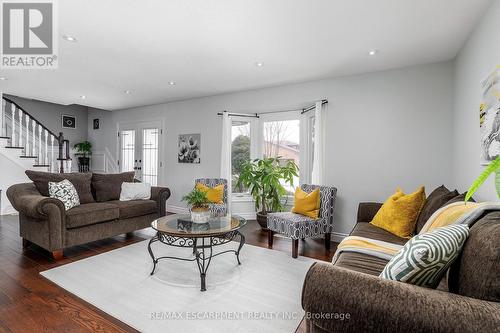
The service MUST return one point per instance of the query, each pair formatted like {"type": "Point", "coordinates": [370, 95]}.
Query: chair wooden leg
{"type": "Point", "coordinates": [26, 243]}
{"type": "Point", "coordinates": [57, 255]}
{"type": "Point", "coordinates": [328, 238]}
{"type": "Point", "coordinates": [270, 237]}
{"type": "Point", "coordinates": [295, 248]}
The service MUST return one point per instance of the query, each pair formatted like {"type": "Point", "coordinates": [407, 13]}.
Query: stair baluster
{"type": "Point", "coordinates": [46, 151]}
{"type": "Point", "coordinates": [20, 140]}
{"type": "Point", "coordinates": [2, 117]}
{"type": "Point", "coordinates": [27, 145]}
{"type": "Point", "coordinates": [33, 145]}
{"type": "Point", "coordinates": [52, 153]}
{"type": "Point", "coordinates": [40, 156]}
{"type": "Point", "coordinates": [13, 127]}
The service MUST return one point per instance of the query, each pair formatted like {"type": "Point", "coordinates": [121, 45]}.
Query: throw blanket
{"type": "Point", "coordinates": [376, 248]}
{"type": "Point", "coordinates": [458, 213]}
{"type": "Point", "coordinates": [455, 213]}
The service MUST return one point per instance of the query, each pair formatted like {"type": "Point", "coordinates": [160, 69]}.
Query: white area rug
{"type": "Point", "coordinates": [261, 295]}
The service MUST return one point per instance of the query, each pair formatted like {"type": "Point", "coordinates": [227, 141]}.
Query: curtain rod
{"type": "Point", "coordinates": [256, 115]}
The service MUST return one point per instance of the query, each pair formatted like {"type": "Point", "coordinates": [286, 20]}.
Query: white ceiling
{"type": "Point", "coordinates": [210, 46]}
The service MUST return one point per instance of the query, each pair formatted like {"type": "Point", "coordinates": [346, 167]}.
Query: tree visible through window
{"type": "Point", "coordinates": [282, 139]}
{"type": "Point", "coordinates": [240, 151]}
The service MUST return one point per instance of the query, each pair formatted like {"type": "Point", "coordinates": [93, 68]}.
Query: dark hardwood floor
{"type": "Point", "coordinates": [31, 303]}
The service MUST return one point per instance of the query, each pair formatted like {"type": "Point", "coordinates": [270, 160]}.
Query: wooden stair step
{"type": "Point", "coordinates": [26, 156]}
{"type": "Point", "coordinates": [41, 165]}
{"type": "Point", "coordinates": [5, 137]}
{"type": "Point", "coordinates": [14, 147]}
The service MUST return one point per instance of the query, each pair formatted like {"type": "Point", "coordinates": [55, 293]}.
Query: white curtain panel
{"type": "Point", "coordinates": [317, 177]}
{"type": "Point", "coordinates": [225, 157]}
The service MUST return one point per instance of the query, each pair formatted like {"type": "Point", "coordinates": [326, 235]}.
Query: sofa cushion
{"type": "Point", "coordinates": [91, 213]}
{"type": "Point", "coordinates": [437, 199]}
{"type": "Point", "coordinates": [134, 208]}
{"type": "Point", "coordinates": [475, 273]}
{"type": "Point", "coordinates": [81, 182]}
{"type": "Point", "coordinates": [368, 230]}
{"type": "Point", "coordinates": [108, 186]}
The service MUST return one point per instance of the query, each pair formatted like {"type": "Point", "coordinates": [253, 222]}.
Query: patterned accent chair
{"type": "Point", "coordinates": [296, 226]}
{"type": "Point", "coordinates": [216, 209]}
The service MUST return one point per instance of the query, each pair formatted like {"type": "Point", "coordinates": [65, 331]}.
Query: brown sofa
{"type": "Point", "coordinates": [348, 296]}
{"type": "Point", "coordinates": [45, 222]}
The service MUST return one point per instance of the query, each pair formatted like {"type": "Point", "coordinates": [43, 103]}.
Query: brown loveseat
{"type": "Point", "coordinates": [45, 222]}
{"type": "Point", "coordinates": [348, 296]}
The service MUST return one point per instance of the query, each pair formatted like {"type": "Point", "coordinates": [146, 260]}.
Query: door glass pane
{"type": "Point", "coordinates": [282, 139]}
{"type": "Point", "coordinates": [127, 150]}
{"type": "Point", "coordinates": [240, 151]}
{"type": "Point", "coordinates": [150, 156]}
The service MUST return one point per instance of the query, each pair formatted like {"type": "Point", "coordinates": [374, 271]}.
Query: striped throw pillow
{"type": "Point", "coordinates": [425, 258]}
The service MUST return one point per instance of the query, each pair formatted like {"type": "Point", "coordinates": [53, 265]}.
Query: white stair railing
{"type": "Point", "coordinates": [49, 149]}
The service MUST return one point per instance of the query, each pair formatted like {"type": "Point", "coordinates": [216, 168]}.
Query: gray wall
{"type": "Point", "coordinates": [50, 115]}
{"type": "Point", "coordinates": [385, 129]}
{"type": "Point", "coordinates": [479, 56]}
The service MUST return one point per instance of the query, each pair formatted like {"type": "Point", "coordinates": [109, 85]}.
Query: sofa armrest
{"type": "Point", "coordinates": [378, 305]}
{"type": "Point", "coordinates": [26, 200]}
{"type": "Point", "coordinates": [367, 210]}
{"type": "Point", "coordinates": [160, 195]}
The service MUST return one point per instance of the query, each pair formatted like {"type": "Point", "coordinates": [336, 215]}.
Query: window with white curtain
{"type": "Point", "coordinates": [285, 134]}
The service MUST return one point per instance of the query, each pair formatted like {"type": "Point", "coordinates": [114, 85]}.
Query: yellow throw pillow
{"type": "Point", "coordinates": [399, 213]}
{"type": "Point", "coordinates": [306, 203]}
{"type": "Point", "coordinates": [214, 194]}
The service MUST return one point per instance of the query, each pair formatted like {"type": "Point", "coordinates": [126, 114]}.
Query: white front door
{"type": "Point", "coordinates": [139, 145]}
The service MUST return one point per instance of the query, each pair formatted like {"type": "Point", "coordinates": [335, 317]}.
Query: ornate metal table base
{"type": "Point", "coordinates": [202, 249]}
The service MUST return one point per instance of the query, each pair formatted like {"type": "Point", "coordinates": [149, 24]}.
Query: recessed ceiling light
{"type": "Point", "coordinates": [172, 83]}
{"type": "Point", "coordinates": [2, 78]}
{"type": "Point", "coordinates": [128, 92]}
{"type": "Point", "coordinates": [69, 38]}
{"type": "Point", "coordinates": [83, 96]}
{"type": "Point", "coordinates": [259, 64]}
{"type": "Point", "coordinates": [372, 52]}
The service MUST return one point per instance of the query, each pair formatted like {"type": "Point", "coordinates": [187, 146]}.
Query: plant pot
{"type": "Point", "coordinates": [200, 214]}
{"type": "Point", "coordinates": [83, 164]}
{"type": "Point", "coordinates": [262, 220]}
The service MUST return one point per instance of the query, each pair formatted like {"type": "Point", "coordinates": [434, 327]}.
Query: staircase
{"type": "Point", "coordinates": [28, 143]}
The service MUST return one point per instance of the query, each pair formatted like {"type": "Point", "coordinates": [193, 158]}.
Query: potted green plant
{"type": "Point", "coordinates": [83, 151]}
{"type": "Point", "coordinates": [263, 178]}
{"type": "Point", "coordinates": [493, 167]}
{"type": "Point", "coordinates": [198, 202]}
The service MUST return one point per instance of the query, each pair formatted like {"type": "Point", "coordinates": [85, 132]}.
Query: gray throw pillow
{"type": "Point", "coordinates": [437, 199]}
{"type": "Point", "coordinates": [425, 258]}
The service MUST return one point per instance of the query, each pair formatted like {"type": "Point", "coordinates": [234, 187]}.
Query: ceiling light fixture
{"type": "Point", "coordinates": [172, 83]}
{"type": "Point", "coordinates": [259, 64]}
{"type": "Point", "coordinates": [83, 96]}
{"type": "Point", "coordinates": [372, 52]}
{"type": "Point", "coordinates": [128, 92]}
{"type": "Point", "coordinates": [2, 78]}
{"type": "Point", "coordinates": [69, 38]}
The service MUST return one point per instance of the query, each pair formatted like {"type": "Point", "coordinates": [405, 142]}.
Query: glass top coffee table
{"type": "Point", "coordinates": [179, 231]}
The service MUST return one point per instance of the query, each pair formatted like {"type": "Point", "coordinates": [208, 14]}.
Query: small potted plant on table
{"type": "Point", "coordinates": [83, 151]}
{"type": "Point", "coordinates": [198, 201]}
{"type": "Point", "coordinates": [263, 178]}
